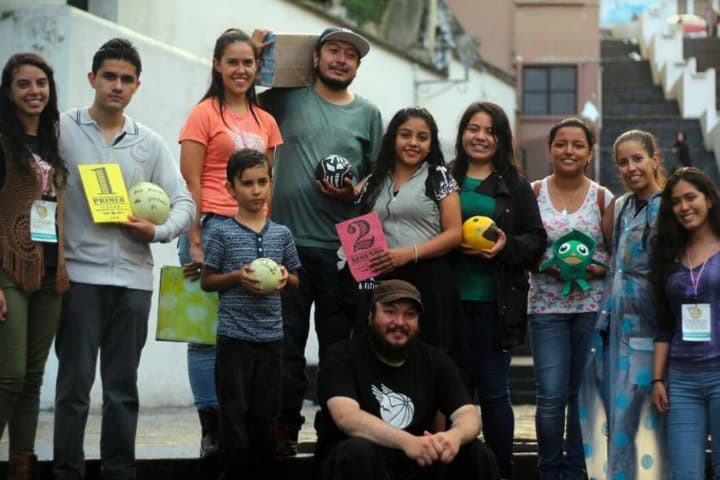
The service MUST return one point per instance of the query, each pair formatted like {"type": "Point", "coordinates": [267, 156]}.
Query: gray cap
{"type": "Point", "coordinates": [345, 35]}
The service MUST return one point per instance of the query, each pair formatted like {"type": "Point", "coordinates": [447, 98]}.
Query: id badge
{"type": "Point", "coordinates": [42, 221]}
{"type": "Point", "coordinates": [696, 322]}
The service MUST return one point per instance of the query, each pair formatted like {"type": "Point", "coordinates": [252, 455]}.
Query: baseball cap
{"type": "Point", "coordinates": [393, 290]}
{"type": "Point", "coordinates": [345, 35]}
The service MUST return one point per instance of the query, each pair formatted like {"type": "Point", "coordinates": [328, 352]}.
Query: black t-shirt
{"type": "Point", "coordinates": [406, 397]}
{"type": "Point", "coordinates": [32, 143]}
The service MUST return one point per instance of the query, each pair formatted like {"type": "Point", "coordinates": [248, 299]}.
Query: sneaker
{"type": "Point", "coordinates": [287, 441]}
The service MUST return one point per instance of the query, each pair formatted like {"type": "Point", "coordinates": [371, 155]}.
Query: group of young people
{"type": "Point", "coordinates": [86, 285]}
{"type": "Point", "coordinates": [630, 344]}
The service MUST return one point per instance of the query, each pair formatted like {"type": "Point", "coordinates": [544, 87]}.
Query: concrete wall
{"type": "Point", "coordinates": [175, 39]}
{"type": "Point", "coordinates": [555, 33]}
{"type": "Point", "coordinates": [495, 32]}
{"type": "Point", "coordinates": [385, 77]}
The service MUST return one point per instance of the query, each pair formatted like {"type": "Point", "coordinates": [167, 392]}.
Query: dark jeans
{"type": "Point", "coordinates": [359, 459]}
{"type": "Point", "coordinates": [320, 282]}
{"type": "Point", "coordinates": [489, 370]}
{"type": "Point", "coordinates": [248, 383]}
{"type": "Point", "coordinates": [113, 321]}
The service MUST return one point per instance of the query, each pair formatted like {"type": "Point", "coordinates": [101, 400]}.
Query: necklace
{"type": "Point", "coordinates": [569, 201]}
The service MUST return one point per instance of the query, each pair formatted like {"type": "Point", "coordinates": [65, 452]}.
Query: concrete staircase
{"type": "Point", "coordinates": [706, 52]}
{"type": "Point", "coordinates": [631, 100]}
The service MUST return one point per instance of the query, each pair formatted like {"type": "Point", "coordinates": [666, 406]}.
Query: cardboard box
{"type": "Point", "coordinates": [287, 62]}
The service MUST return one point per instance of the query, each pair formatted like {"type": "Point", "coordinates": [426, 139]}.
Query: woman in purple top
{"type": "Point", "coordinates": [686, 277]}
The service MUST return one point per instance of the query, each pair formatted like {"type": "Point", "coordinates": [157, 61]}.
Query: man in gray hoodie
{"type": "Point", "coordinates": [110, 267]}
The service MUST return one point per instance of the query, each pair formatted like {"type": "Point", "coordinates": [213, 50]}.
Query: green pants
{"type": "Point", "coordinates": [25, 339]}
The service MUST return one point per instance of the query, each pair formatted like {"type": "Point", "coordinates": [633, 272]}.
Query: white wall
{"type": "Point", "coordinates": [175, 40]}
{"type": "Point", "coordinates": [385, 78]}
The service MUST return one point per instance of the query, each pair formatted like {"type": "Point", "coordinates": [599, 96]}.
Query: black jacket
{"type": "Point", "coordinates": [517, 214]}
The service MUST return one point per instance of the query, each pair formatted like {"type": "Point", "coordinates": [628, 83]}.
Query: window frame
{"type": "Point", "coordinates": [548, 90]}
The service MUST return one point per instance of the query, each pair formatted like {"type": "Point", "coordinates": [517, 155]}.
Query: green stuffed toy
{"type": "Point", "coordinates": [572, 254]}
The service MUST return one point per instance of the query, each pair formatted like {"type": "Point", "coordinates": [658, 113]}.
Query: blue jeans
{"type": "Point", "coordinates": [560, 344]}
{"type": "Point", "coordinates": [332, 293]}
{"type": "Point", "coordinates": [201, 358]}
{"type": "Point", "coordinates": [489, 370]}
{"type": "Point", "coordinates": [694, 409]}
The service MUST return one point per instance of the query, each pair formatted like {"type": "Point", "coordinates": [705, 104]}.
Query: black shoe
{"type": "Point", "coordinates": [287, 441]}
{"type": "Point", "coordinates": [209, 443]}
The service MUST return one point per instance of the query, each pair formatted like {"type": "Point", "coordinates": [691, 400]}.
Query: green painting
{"type": "Point", "coordinates": [186, 313]}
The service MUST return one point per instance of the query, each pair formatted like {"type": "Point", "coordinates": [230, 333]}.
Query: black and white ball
{"type": "Point", "coordinates": [335, 169]}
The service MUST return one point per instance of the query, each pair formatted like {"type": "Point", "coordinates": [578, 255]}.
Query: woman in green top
{"type": "Point", "coordinates": [494, 282]}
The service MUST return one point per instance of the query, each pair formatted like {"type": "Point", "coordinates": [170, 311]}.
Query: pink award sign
{"type": "Point", "coordinates": [362, 238]}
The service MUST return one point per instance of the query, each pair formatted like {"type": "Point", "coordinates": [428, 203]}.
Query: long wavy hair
{"type": "Point", "coordinates": [216, 89]}
{"type": "Point", "coordinates": [504, 159]}
{"type": "Point", "coordinates": [671, 236]}
{"type": "Point", "coordinates": [386, 160]}
{"type": "Point", "coordinates": [13, 131]}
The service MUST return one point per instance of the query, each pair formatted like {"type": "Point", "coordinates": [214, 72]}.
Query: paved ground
{"type": "Point", "coordinates": [175, 432]}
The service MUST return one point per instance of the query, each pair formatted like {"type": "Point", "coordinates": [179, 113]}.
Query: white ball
{"type": "Point", "coordinates": [268, 272]}
{"type": "Point", "coordinates": [150, 202]}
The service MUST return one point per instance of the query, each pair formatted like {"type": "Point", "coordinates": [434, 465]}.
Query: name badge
{"type": "Point", "coordinates": [696, 322]}
{"type": "Point", "coordinates": [42, 221]}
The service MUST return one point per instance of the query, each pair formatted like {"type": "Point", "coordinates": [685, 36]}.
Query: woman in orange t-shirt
{"type": "Point", "coordinates": [227, 119]}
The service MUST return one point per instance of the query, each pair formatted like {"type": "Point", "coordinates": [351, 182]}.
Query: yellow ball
{"type": "Point", "coordinates": [268, 272]}
{"type": "Point", "coordinates": [150, 202]}
{"type": "Point", "coordinates": [479, 232]}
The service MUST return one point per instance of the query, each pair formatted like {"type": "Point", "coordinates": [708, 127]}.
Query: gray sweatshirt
{"type": "Point", "coordinates": [105, 253]}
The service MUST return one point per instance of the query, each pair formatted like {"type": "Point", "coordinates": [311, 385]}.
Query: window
{"type": "Point", "coordinates": [549, 90]}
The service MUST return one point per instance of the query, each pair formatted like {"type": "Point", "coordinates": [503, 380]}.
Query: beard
{"type": "Point", "coordinates": [386, 350]}
{"type": "Point", "coordinates": [332, 83]}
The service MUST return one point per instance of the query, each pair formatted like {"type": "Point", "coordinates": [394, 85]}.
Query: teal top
{"type": "Point", "coordinates": [475, 276]}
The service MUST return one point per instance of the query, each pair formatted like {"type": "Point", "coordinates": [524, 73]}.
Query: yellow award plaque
{"type": "Point", "coordinates": [105, 191]}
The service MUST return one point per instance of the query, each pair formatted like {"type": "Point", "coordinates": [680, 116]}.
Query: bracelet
{"type": "Point", "coordinates": [656, 380]}
{"type": "Point", "coordinates": [415, 253]}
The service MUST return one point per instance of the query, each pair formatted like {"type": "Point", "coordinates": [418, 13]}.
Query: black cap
{"type": "Point", "coordinates": [344, 35]}
{"type": "Point", "coordinates": [394, 290]}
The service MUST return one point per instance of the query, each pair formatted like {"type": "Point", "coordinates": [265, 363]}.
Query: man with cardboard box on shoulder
{"type": "Point", "coordinates": [321, 120]}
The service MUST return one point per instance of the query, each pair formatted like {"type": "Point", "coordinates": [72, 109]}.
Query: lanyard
{"type": "Point", "coordinates": [695, 281]}
{"type": "Point", "coordinates": [620, 224]}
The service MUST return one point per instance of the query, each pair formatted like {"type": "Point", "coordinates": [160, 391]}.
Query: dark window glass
{"type": "Point", "coordinates": [549, 90]}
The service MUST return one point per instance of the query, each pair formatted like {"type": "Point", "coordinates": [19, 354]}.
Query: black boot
{"type": "Point", "coordinates": [21, 465]}
{"type": "Point", "coordinates": [287, 440]}
{"type": "Point", "coordinates": [209, 444]}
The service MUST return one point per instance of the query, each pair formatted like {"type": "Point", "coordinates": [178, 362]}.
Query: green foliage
{"type": "Point", "coordinates": [363, 11]}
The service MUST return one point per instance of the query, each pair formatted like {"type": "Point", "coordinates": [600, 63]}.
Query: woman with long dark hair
{"type": "Point", "coordinates": [227, 119]}
{"type": "Point", "coordinates": [32, 266]}
{"type": "Point", "coordinates": [562, 319]}
{"type": "Point", "coordinates": [493, 282]}
{"type": "Point", "coordinates": [417, 201]}
{"type": "Point", "coordinates": [686, 276]}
